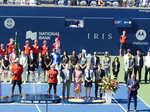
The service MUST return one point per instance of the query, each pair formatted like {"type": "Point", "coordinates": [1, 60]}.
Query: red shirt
{"type": "Point", "coordinates": [52, 75]}
{"type": "Point", "coordinates": [27, 50]}
{"type": "Point", "coordinates": [36, 49]}
{"type": "Point", "coordinates": [2, 52]}
{"type": "Point", "coordinates": [45, 49]}
{"type": "Point", "coordinates": [10, 48]}
{"type": "Point", "coordinates": [123, 39]}
{"type": "Point", "coordinates": [18, 70]}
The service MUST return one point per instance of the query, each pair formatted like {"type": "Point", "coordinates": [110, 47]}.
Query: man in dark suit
{"type": "Point", "coordinates": [138, 64]}
{"type": "Point", "coordinates": [31, 64]}
{"type": "Point", "coordinates": [133, 86]}
{"type": "Point", "coordinates": [99, 74]}
{"type": "Point", "coordinates": [95, 60]}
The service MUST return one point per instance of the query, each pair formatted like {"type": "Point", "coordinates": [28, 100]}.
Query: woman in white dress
{"type": "Point", "coordinates": [24, 63]}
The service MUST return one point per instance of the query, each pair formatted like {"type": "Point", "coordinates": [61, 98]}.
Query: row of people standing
{"type": "Point", "coordinates": [28, 57]}
{"type": "Point", "coordinates": [134, 64]}
{"type": "Point", "coordinates": [77, 77]}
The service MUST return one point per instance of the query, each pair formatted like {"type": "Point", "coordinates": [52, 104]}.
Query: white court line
{"type": "Point", "coordinates": [119, 104]}
{"type": "Point", "coordinates": [143, 101]}
{"type": "Point", "coordinates": [38, 108]}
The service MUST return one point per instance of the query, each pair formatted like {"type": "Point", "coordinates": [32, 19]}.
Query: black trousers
{"type": "Point", "coordinates": [115, 73]}
{"type": "Point", "coordinates": [138, 69]}
{"type": "Point", "coordinates": [146, 73]}
{"type": "Point", "coordinates": [54, 86]}
{"type": "Point", "coordinates": [128, 74]}
{"type": "Point", "coordinates": [96, 89]}
{"type": "Point", "coordinates": [134, 98]}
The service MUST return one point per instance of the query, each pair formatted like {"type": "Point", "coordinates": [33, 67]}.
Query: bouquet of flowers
{"type": "Point", "coordinates": [109, 84]}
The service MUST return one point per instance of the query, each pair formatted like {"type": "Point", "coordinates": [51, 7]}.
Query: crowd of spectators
{"type": "Point", "coordinates": [102, 3]}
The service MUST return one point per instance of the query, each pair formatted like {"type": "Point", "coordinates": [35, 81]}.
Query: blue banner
{"type": "Point", "coordinates": [97, 34]}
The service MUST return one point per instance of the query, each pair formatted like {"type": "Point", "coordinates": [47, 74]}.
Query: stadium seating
{"type": "Point", "coordinates": [93, 3]}
{"type": "Point", "coordinates": [83, 3]}
{"type": "Point", "coordinates": [115, 4]}
{"type": "Point", "coordinates": [60, 2]}
{"type": "Point", "coordinates": [108, 4]}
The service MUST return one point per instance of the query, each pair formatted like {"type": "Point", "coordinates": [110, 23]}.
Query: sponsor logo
{"type": "Point", "coordinates": [31, 35]}
{"type": "Point", "coordinates": [9, 23]}
{"type": "Point", "coordinates": [99, 36]}
{"type": "Point", "coordinates": [127, 22]}
{"type": "Point", "coordinates": [140, 34]}
{"type": "Point", "coordinates": [140, 43]}
{"type": "Point", "coordinates": [117, 22]}
{"type": "Point", "coordinates": [40, 35]}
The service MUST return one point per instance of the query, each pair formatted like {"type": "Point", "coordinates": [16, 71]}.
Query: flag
{"type": "Point", "coordinates": [16, 45]}
{"type": "Point", "coordinates": [58, 44]}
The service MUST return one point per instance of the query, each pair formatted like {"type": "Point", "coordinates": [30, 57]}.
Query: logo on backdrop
{"type": "Point", "coordinates": [31, 35]}
{"type": "Point", "coordinates": [140, 34]}
{"type": "Point", "coordinates": [40, 35]}
{"type": "Point", "coordinates": [9, 23]}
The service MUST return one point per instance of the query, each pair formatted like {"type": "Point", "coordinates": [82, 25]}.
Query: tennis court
{"type": "Point", "coordinates": [119, 102]}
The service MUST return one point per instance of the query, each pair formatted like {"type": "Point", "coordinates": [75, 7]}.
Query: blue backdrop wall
{"type": "Point", "coordinates": [98, 33]}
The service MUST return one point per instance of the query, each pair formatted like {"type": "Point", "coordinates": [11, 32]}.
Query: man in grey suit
{"type": "Point", "coordinates": [66, 77]}
{"type": "Point", "coordinates": [129, 64]}
{"type": "Point", "coordinates": [138, 64]}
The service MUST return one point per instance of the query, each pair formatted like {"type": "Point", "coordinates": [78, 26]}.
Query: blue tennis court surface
{"type": "Point", "coordinates": [119, 103]}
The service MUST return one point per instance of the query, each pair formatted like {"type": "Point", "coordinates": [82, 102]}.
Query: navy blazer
{"type": "Point", "coordinates": [97, 61]}
{"type": "Point", "coordinates": [136, 86]}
